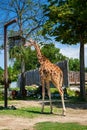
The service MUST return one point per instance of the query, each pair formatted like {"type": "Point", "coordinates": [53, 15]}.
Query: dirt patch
{"type": "Point", "coordinates": [75, 113]}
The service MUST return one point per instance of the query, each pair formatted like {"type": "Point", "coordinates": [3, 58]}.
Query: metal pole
{"type": "Point", "coordinates": [6, 84]}
{"type": "Point", "coordinates": [5, 67]}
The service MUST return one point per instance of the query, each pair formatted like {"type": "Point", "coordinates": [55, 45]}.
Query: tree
{"type": "Point", "coordinates": [30, 19]}
{"type": "Point", "coordinates": [86, 69]}
{"type": "Point", "coordinates": [31, 62]}
{"type": "Point", "coordinates": [68, 23]}
{"type": "Point", "coordinates": [18, 52]}
{"type": "Point", "coordinates": [29, 14]}
{"type": "Point", "coordinates": [74, 64]}
{"type": "Point", "coordinates": [52, 53]}
{"type": "Point", "coordinates": [1, 76]}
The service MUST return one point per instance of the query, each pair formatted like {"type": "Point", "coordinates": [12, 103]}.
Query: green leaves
{"type": "Point", "coordinates": [67, 21]}
{"type": "Point", "coordinates": [74, 64]}
{"type": "Point", "coordinates": [52, 53]}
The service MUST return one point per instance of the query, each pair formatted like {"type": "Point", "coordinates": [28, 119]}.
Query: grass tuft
{"type": "Point", "coordinates": [59, 126]}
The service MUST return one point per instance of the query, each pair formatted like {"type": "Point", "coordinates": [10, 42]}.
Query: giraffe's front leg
{"type": "Point", "coordinates": [43, 96]}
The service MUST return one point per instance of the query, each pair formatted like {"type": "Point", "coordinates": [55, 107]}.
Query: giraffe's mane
{"type": "Point", "coordinates": [45, 58]}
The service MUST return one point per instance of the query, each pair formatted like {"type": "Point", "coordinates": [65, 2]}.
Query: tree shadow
{"type": "Point", "coordinates": [68, 104]}
{"type": "Point", "coordinates": [38, 112]}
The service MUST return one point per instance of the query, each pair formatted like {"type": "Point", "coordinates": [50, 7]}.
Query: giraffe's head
{"type": "Point", "coordinates": [36, 46]}
{"type": "Point", "coordinates": [30, 43]}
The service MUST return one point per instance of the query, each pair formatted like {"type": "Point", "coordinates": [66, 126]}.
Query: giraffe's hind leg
{"type": "Point", "coordinates": [49, 94]}
{"type": "Point", "coordinates": [62, 99]}
{"type": "Point", "coordinates": [59, 87]}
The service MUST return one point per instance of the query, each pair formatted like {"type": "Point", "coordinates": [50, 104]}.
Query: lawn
{"type": "Point", "coordinates": [30, 111]}
{"type": "Point", "coordinates": [59, 126]}
{"type": "Point", "coordinates": [26, 112]}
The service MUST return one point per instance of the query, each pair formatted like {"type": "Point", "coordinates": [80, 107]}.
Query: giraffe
{"type": "Point", "coordinates": [48, 72]}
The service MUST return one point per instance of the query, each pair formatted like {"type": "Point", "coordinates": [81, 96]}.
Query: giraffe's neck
{"type": "Point", "coordinates": [39, 54]}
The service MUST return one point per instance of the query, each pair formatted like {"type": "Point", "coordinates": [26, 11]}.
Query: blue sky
{"type": "Point", "coordinates": [2, 59]}
{"type": "Point", "coordinates": [69, 51]}
{"type": "Point", "coordinates": [72, 51]}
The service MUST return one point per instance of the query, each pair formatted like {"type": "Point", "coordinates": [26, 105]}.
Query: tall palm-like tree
{"type": "Point", "coordinates": [19, 54]}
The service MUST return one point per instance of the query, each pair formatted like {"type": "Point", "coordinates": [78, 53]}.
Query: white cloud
{"type": "Point", "coordinates": [71, 51]}
{"type": "Point", "coordinates": [85, 45]}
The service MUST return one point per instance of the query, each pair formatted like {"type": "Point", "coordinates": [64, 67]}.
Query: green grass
{"type": "Point", "coordinates": [31, 88]}
{"type": "Point", "coordinates": [59, 126]}
{"type": "Point", "coordinates": [30, 112]}
{"type": "Point", "coordinates": [53, 90]}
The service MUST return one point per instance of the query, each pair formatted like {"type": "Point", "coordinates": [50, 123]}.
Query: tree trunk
{"type": "Point", "coordinates": [22, 86]}
{"type": "Point", "coordinates": [82, 70]}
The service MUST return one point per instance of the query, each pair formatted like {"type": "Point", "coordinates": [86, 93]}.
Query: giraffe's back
{"type": "Point", "coordinates": [51, 71]}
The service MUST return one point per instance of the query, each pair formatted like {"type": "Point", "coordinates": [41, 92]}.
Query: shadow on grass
{"type": "Point", "coordinates": [46, 112]}
{"type": "Point", "coordinates": [38, 112]}
{"type": "Point", "coordinates": [68, 104]}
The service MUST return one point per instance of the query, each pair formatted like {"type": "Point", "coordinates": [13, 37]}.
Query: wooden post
{"type": "Point", "coordinates": [6, 84]}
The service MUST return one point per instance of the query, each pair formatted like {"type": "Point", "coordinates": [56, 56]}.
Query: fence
{"type": "Point", "coordinates": [74, 77]}
{"type": "Point", "coordinates": [33, 77]}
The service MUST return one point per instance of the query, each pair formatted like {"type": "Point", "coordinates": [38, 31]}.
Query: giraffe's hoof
{"type": "Point", "coordinates": [51, 112]}
{"type": "Point", "coordinates": [42, 112]}
{"type": "Point", "coordinates": [64, 113]}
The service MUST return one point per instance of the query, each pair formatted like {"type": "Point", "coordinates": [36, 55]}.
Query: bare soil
{"type": "Point", "coordinates": [75, 113]}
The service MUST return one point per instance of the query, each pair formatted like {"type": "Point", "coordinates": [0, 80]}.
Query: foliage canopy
{"type": "Point", "coordinates": [67, 21]}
